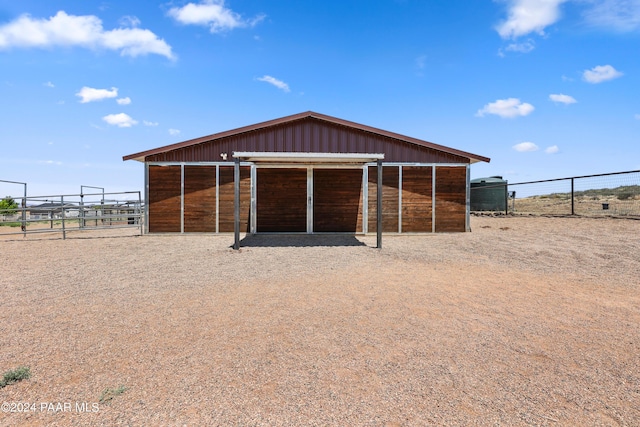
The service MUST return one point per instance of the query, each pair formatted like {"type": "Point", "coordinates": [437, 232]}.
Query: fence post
{"type": "Point", "coordinates": [140, 219]}
{"type": "Point", "coordinates": [506, 199]}
{"type": "Point", "coordinates": [81, 222]}
{"type": "Point", "coordinates": [64, 233]}
{"type": "Point", "coordinates": [573, 212]}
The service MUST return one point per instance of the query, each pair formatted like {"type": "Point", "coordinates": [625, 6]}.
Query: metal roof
{"type": "Point", "coordinates": [247, 130]}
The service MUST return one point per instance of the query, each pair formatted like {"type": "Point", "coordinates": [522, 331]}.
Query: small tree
{"type": "Point", "coordinates": [8, 206]}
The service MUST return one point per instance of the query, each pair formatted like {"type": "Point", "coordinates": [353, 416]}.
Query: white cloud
{"type": "Point", "coordinates": [49, 84]}
{"type": "Point", "coordinates": [121, 120]}
{"type": "Point", "coordinates": [124, 101]}
{"type": "Point", "coordinates": [89, 94]}
{"type": "Point", "coordinates": [637, 116]}
{"type": "Point", "coordinates": [552, 150]}
{"type": "Point", "coordinates": [528, 16]}
{"type": "Point", "coordinates": [619, 15]}
{"type": "Point", "coordinates": [84, 31]}
{"type": "Point", "coordinates": [525, 146]}
{"type": "Point", "coordinates": [212, 13]}
{"type": "Point", "coordinates": [129, 21]}
{"type": "Point", "coordinates": [421, 61]}
{"type": "Point", "coordinates": [601, 73]}
{"type": "Point", "coordinates": [49, 162]}
{"type": "Point", "coordinates": [277, 83]}
{"type": "Point", "coordinates": [524, 47]}
{"type": "Point", "coordinates": [146, 123]}
{"type": "Point", "coordinates": [174, 132]}
{"type": "Point", "coordinates": [507, 108]}
{"type": "Point", "coordinates": [562, 98]}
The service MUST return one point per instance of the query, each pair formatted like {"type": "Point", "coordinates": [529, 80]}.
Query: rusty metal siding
{"type": "Point", "coordinates": [308, 135]}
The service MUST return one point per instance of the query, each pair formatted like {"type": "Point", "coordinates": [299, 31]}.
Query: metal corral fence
{"type": "Point", "coordinates": [73, 212]}
{"type": "Point", "coordinates": [610, 194]}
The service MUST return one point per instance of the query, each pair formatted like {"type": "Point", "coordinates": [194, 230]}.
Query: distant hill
{"type": "Point", "coordinates": [623, 192]}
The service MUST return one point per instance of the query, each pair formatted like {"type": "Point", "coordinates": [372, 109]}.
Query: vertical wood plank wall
{"type": "Point", "coordinates": [451, 198]}
{"type": "Point", "coordinates": [281, 199]}
{"type": "Point", "coordinates": [226, 192]}
{"type": "Point", "coordinates": [164, 199]}
{"type": "Point", "coordinates": [417, 199]}
{"type": "Point", "coordinates": [337, 200]}
{"type": "Point", "coordinates": [390, 193]}
{"type": "Point", "coordinates": [200, 198]}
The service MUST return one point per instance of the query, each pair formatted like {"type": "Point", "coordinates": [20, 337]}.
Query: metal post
{"type": "Point", "coordinates": [64, 234]}
{"type": "Point", "coordinates": [506, 199]}
{"type": "Point", "coordinates": [146, 198]}
{"type": "Point", "coordinates": [309, 199]}
{"type": "Point", "coordinates": [182, 198]}
{"type": "Point", "coordinates": [81, 222]}
{"type": "Point", "coordinates": [400, 178]}
{"type": "Point", "coordinates": [101, 203]}
{"type": "Point", "coordinates": [236, 204]}
{"type": "Point", "coordinates": [140, 214]}
{"type": "Point", "coordinates": [217, 198]}
{"type": "Point", "coordinates": [433, 199]}
{"type": "Point", "coordinates": [24, 212]}
{"type": "Point", "coordinates": [468, 201]}
{"type": "Point", "coordinates": [379, 206]}
{"type": "Point", "coordinates": [253, 214]}
{"type": "Point", "coordinates": [573, 212]}
{"type": "Point", "coordinates": [365, 199]}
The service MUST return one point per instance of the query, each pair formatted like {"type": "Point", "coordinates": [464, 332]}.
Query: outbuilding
{"type": "Point", "coordinates": [306, 173]}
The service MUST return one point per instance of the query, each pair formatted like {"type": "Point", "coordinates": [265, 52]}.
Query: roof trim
{"type": "Point", "coordinates": [298, 157]}
{"type": "Point", "coordinates": [209, 138]}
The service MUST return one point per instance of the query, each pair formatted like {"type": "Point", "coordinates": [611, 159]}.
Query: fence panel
{"type": "Point", "coordinates": [73, 212]}
{"type": "Point", "coordinates": [612, 194]}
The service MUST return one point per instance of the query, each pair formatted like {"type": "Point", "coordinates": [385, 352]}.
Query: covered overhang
{"type": "Point", "coordinates": [305, 158]}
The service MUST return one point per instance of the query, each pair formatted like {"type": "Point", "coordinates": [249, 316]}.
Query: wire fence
{"type": "Point", "coordinates": [612, 194]}
{"type": "Point", "coordinates": [71, 212]}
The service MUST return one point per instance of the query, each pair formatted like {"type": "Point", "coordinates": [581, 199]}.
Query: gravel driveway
{"type": "Point", "coordinates": [523, 321]}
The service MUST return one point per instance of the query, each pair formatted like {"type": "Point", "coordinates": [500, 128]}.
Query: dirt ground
{"type": "Point", "coordinates": [523, 321]}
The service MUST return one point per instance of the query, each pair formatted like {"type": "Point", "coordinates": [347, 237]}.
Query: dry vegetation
{"type": "Point", "coordinates": [560, 204]}
{"type": "Point", "coordinates": [524, 321]}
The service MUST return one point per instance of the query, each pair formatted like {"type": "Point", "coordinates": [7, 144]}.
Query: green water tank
{"type": "Point", "coordinates": [489, 194]}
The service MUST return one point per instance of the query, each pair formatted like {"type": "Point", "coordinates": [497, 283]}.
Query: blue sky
{"type": "Point", "coordinates": [545, 88]}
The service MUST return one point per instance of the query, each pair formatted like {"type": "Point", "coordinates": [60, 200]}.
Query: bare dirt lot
{"type": "Point", "coordinates": [523, 321]}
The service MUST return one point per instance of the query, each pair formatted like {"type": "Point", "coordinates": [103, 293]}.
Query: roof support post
{"type": "Point", "coordinates": [379, 206]}
{"type": "Point", "coordinates": [236, 204]}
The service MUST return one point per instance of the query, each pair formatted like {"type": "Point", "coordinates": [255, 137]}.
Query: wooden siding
{"type": "Point", "coordinates": [337, 200]}
{"type": "Point", "coordinates": [417, 199]}
{"type": "Point", "coordinates": [390, 199]}
{"type": "Point", "coordinates": [281, 200]}
{"type": "Point", "coordinates": [164, 198]}
{"type": "Point", "coordinates": [199, 198]}
{"type": "Point", "coordinates": [451, 198]}
{"type": "Point", "coordinates": [226, 192]}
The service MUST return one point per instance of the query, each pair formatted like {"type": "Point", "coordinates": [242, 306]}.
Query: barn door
{"type": "Point", "coordinates": [337, 195]}
{"type": "Point", "coordinates": [281, 200]}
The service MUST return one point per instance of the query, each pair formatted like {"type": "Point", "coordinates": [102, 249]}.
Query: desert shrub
{"type": "Point", "coordinates": [625, 196]}
{"type": "Point", "coordinates": [15, 375]}
{"type": "Point", "coordinates": [109, 393]}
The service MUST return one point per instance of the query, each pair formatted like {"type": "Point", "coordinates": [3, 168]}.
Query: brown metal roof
{"type": "Point", "coordinates": [193, 150]}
